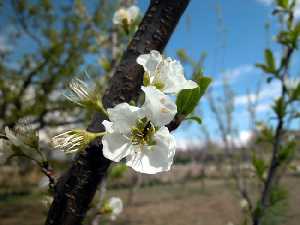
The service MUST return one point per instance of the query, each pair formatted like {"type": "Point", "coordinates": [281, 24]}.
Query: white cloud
{"type": "Point", "coordinates": [234, 73]}
{"type": "Point", "coordinates": [268, 93]}
{"type": "Point", "coordinates": [263, 107]}
{"type": "Point", "coordinates": [189, 143]}
{"type": "Point", "coordinates": [240, 140]}
{"type": "Point", "coordinates": [266, 2]}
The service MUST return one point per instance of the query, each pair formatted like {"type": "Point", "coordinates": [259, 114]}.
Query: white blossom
{"type": "Point", "coordinates": [115, 207]}
{"type": "Point", "coordinates": [165, 74]}
{"type": "Point", "coordinates": [291, 83]}
{"type": "Point", "coordinates": [126, 15]}
{"type": "Point", "coordinates": [139, 134]}
{"type": "Point", "coordinates": [243, 203]}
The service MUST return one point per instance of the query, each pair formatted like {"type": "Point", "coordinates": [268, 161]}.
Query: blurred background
{"type": "Point", "coordinates": [44, 44]}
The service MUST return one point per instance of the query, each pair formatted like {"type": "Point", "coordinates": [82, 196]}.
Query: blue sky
{"type": "Point", "coordinates": [232, 33]}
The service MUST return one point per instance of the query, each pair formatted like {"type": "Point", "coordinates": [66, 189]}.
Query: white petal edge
{"type": "Point", "coordinates": [116, 146]}
{"type": "Point", "coordinates": [158, 107]}
{"type": "Point", "coordinates": [133, 12]}
{"type": "Point", "coordinates": [124, 117]}
{"type": "Point", "coordinates": [150, 62]}
{"type": "Point", "coordinates": [108, 126]}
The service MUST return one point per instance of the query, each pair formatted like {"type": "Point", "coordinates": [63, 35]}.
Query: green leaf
{"type": "Point", "coordinates": [295, 93]}
{"type": "Point", "coordinates": [195, 118]}
{"type": "Point", "coordinates": [279, 107]}
{"type": "Point", "coordinates": [203, 83]}
{"type": "Point", "coordinates": [287, 151]}
{"type": "Point", "coordinates": [188, 99]}
{"type": "Point", "coordinates": [259, 165]}
{"type": "Point", "coordinates": [270, 61]}
{"type": "Point", "coordinates": [283, 3]}
{"type": "Point", "coordinates": [264, 68]}
{"type": "Point", "coordinates": [118, 171]}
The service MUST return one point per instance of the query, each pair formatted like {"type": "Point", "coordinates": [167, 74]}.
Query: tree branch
{"type": "Point", "coordinates": [76, 188]}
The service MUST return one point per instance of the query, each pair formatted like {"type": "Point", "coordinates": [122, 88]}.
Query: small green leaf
{"type": "Point", "coordinates": [195, 118]}
{"type": "Point", "coordinates": [279, 107]}
{"type": "Point", "coordinates": [118, 170]}
{"type": "Point", "coordinates": [264, 68]}
{"type": "Point", "coordinates": [187, 100]}
{"type": "Point", "coordinates": [283, 3]}
{"type": "Point", "coordinates": [203, 83]}
{"type": "Point", "coordinates": [270, 61]}
{"type": "Point", "coordinates": [259, 165]}
{"type": "Point", "coordinates": [295, 93]}
{"type": "Point", "coordinates": [287, 151]}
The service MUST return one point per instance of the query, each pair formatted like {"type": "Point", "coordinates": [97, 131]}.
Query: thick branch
{"type": "Point", "coordinates": [76, 188]}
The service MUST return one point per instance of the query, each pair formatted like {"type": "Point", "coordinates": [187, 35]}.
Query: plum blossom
{"type": "Point", "coordinates": [291, 83]}
{"type": "Point", "coordinates": [139, 134]}
{"type": "Point", "coordinates": [114, 206]}
{"type": "Point", "coordinates": [244, 203]}
{"type": "Point", "coordinates": [126, 15]}
{"type": "Point", "coordinates": [166, 75]}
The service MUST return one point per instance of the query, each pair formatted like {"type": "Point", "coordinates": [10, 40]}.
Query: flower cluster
{"type": "Point", "coordinates": [139, 134]}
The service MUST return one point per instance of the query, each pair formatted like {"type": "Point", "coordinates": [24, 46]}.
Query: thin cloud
{"type": "Point", "coordinates": [269, 91]}
{"type": "Point", "coordinates": [235, 73]}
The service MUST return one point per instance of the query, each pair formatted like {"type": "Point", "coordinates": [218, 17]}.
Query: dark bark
{"type": "Point", "coordinates": [76, 188]}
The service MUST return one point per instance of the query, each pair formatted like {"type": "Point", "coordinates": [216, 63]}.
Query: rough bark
{"type": "Point", "coordinates": [76, 188]}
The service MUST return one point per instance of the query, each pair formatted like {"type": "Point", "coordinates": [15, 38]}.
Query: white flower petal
{"type": "Point", "coordinates": [116, 146]}
{"type": "Point", "coordinates": [119, 16]}
{"type": "Point", "coordinates": [133, 12]}
{"type": "Point", "coordinates": [172, 76]}
{"type": "Point", "coordinates": [108, 126]}
{"type": "Point", "coordinates": [189, 84]}
{"type": "Point", "coordinates": [124, 117]}
{"type": "Point", "coordinates": [157, 158]}
{"type": "Point", "coordinates": [150, 62]}
{"type": "Point", "coordinates": [158, 107]}
{"type": "Point", "coordinates": [116, 205]}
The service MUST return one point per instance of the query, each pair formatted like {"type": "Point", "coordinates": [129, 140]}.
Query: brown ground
{"type": "Point", "coordinates": [161, 205]}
